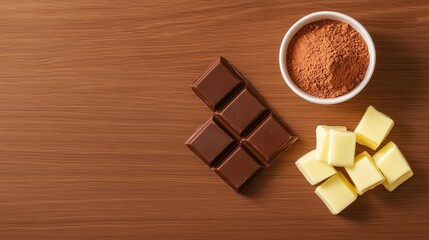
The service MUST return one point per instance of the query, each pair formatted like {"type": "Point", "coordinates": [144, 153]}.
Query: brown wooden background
{"type": "Point", "coordinates": [95, 107]}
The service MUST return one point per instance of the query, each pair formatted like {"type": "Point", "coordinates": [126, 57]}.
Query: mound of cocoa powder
{"type": "Point", "coordinates": [327, 58]}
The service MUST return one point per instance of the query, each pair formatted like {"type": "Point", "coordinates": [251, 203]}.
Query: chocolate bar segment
{"type": "Point", "coordinates": [217, 84]}
{"type": "Point", "coordinates": [270, 138]}
{"type": "Point", "coordinates": [239, 169]}
{"type": "Point", "coordinates": [242, 112]}
{"type": "Point", "coordinates": [244, 136]}
{"type": "Point", "coordinates": [210, 142]}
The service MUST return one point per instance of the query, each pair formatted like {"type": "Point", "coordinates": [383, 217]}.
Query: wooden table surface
{"type": "Point", "coordinates": [95, 107]}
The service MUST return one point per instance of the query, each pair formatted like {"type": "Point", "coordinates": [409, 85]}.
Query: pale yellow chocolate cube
{"type": "Point", "coordinates": [337, 193]}
{"type": "Point", "coordinates": [373, 128]}
{"type": "Point", "coordinates": [364, 173]}
{"type": "Point", "coordinates": [322, 141]}
{"type": "Point", "coordinates": [393, 165]}
{"type": "Point", "coordinates": [342, 146]}
{"type": "Point", "coordinates": [314, 171]}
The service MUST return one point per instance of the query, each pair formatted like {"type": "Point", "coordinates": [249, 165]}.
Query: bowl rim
{"type": "Point", "coordinates": [315, 17]}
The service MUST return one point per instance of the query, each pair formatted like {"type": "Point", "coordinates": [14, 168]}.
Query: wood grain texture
{"type": "Point", "coordinates": [95, 107]}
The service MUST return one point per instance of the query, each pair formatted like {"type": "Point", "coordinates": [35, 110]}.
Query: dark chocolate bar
{"type": "Point", "coordinates": [245, 135]}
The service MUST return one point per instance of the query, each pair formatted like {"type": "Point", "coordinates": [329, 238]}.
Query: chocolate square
{"type": "Point", "coordinates": [239, 169]}
{"type": "Point", "coordinates": [210, 142]}
{"type": "Point", "coordinates": [241, 112]}
{"type": "Point", "coordinates": [217, 84]}
{"type": "Point", "coordinates": [270, 138]}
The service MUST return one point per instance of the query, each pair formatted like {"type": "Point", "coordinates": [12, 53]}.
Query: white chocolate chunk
{"type": "Point", "coordinates": [373, 128]}
{"type": "Point", "coordinates": [337, 193]}
{"type": "Point", "coordinates": [314, 171]}
{"type": "Point", "coordinates": [342, 146]}
{"type": "Point", "coordinates": [322, 141]}
{"type": "Point", "coordinates": [364, 173]}
{"type": "Point", "coordinates": [393, 165]}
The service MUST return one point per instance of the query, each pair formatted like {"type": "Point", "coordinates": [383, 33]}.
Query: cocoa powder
{"type": "Point", "coordinates": [327, 58]}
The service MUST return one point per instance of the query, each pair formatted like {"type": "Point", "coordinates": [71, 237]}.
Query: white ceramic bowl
{"type": "Point", "coordinates": [333, 16]}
